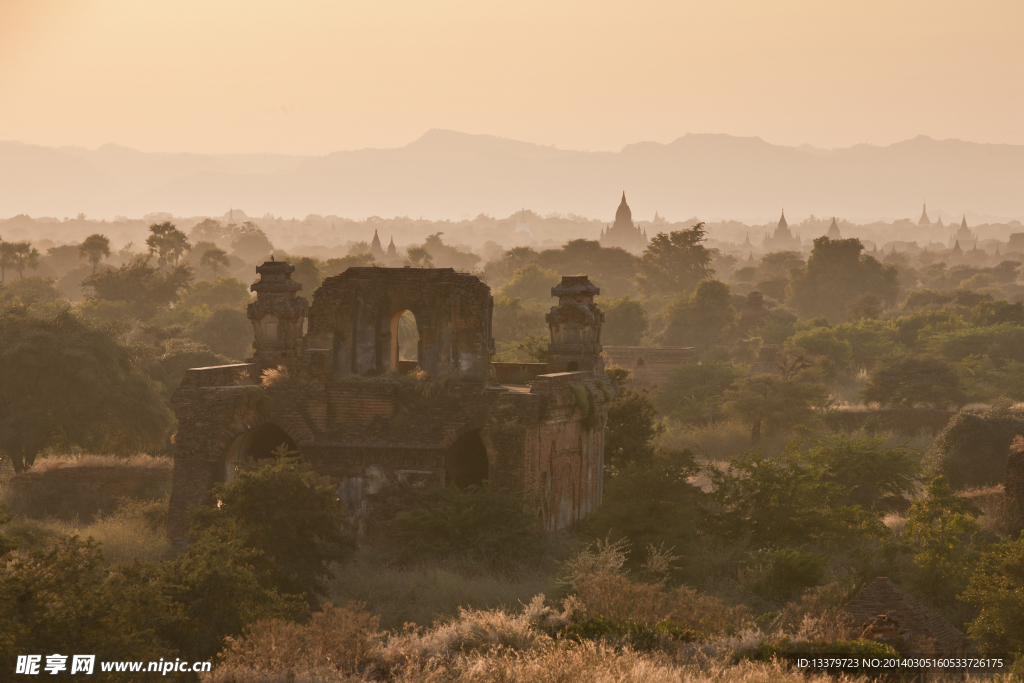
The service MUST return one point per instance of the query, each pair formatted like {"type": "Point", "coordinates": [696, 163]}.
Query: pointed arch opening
{"type": "Point", "coordinates": [259, 443]}
{"type": "Point", "coordinates": [405, 341]}
{"type": "Point", "coordinates": [466, 461]}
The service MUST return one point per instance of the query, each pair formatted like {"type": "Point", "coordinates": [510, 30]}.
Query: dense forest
{"type": "Point", "coordinates": [748, 496]}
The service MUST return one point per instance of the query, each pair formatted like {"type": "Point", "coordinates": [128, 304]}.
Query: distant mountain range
{"type": "Point", "coordinates": [446, 174]}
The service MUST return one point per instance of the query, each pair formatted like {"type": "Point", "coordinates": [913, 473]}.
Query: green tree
{"type": "Point", "coordinates": [869, 472]}
{"type": "Point", "coordinates": [837, 273]}
{"type": "Point", "coordinates": [674, 263]}
{"type": "Point", "coordinates": [95, 248]}
{"type": "Point", "coordinates": [535, 346]}
{"type": "Point", "coordinates": [249, 243]}
{"type": "Point", "coordinates": [223, 292]}
{"type": "Point", "coordinates": [693, 393]}
{"type": "Point", "coordinates": [67, 383]}
{"type": "Point", "coordinates": [652, 503]}
{"type": "Point", "coordinates": [292, 523]}
{"type": "Point", "coordinates": [63, 596]}
{"type": "Point", "coordinates": [779, 265]}
{"type": "Point", "coordinates": [631, 428]}
{"type": "Point", "coordinates": [215, 590]}
{"type": "Point", "coordinates": [531, 283]}
{"type": "Point", "coordinates": [226, 331]}
{"type": "Point", "coordinates": [625, 322]}
{"type": "Point", "coordinates": [7, 258]}
{"type": "Point", "coordinates": [995, 590]}
{"type": "Point", "coordinates": [167, 242]}
{"type": "Point", "coordinates": [972, 449]}
{"type": "Point", "coordinates": [448, 256]}
{"type": "Point", "coordinates": [29, 291]}
{"type": "Point", "coordinates": [699, 319]}
{"type": "Point", "coordinates": [480, 523]}
{"type": "Point", "coordinates": [832, 355]}
{"type": "Point", "coordinates": [773, 403]}
{"type": "Point", "coordinates": [938, 532]}
{"type": "Point", "coordinates": [142, 287]}
{"type": "Point", "coordinates": [23, 256]}
{"type": "Point", "coordinates": [307, 274]}
{"type": "Point", "coordinates": [419, 257]}
{"type": "Point", "coordinates": [784, 502]}
{"type": "Point", "coordinates": [213, 258]}
{"type": "Point", "coordinates": [337, 266]}
{"type": "Point", "coordinates": [512, 321]}
{"type": "Point", "coordinates": [906, 380]}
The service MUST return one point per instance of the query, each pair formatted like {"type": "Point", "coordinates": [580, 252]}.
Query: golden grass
{"type": "Point", "coordinates": [342, 644]}
{"type": "Point", "coordinates": [425, 593]}
{"type": "Point", "coordinates": [54, 462]}
{"type": "Point", "coordinates": [134, 530]}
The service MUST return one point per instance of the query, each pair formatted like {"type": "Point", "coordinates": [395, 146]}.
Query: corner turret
{"type": "Point", "coordinates": [575, 325]}
{"type": "Point", "coordinates": [277, 315]}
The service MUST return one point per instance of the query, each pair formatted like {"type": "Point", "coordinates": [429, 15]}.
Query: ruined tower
{"type": "Point", "coordinates": [277, 315]}
{"type": "Point", "coordinates": [575, 325]}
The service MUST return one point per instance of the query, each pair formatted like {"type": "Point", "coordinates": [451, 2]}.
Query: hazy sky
{"type": "Point", "coordinates": [308, 76]}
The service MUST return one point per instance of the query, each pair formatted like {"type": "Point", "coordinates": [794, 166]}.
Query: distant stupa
{"type": "Point", "coordinates": [623, 233]}
{"type": "Point", "coordinates": [783, 239]}
{"type": "Point", "coordinates": [833, 231]}
{"type": "Point", "coordinates": [375, 248]}
{"type": "Point", "coordinates": [522, 225]}
{"type": "Point", "coordinates": [923, 220]}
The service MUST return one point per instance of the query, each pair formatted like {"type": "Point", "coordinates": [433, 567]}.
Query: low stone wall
{"type": "Point", "coordinates": [84, 492]}
{"type": "Point", "coordinates": [517, 373]}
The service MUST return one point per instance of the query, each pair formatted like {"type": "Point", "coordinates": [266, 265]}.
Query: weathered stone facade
{"type": "Point", "coordinates": [343, 403]}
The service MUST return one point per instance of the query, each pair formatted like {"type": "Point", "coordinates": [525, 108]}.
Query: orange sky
{"type": "Point", "coordinates": [313, 76]}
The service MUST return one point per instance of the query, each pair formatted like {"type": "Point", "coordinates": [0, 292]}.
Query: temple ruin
{"type": "Point", "coordinates": [327, 381]}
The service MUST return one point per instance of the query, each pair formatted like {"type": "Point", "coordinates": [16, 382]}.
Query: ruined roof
{"type": "Point", "coordinates": [572, 285]}
{"type": "Point", "coordinates": [882, 596]}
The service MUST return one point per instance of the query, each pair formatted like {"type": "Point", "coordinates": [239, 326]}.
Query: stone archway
{"type": "Point", "coordinates": [404, 339]}
{"type": "Point", "coordinates": [258, 443]}
{"type": "Point", "coordinates": [465, 461]}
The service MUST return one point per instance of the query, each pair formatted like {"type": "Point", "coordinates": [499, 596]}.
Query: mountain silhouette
{"type": "Point", "coordinates": [450, 174]}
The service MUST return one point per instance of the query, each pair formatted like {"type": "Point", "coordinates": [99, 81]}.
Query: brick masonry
{"type": "Point", "coordinates": [338, 404]}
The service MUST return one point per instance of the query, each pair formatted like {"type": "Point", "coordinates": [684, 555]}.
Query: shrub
{"type": "Point", "coordinates": [995, 589]}
{"type": "Point", "coordinates": [337, 639]}
{"type": "Point", "coordinates": [786, 501]}
{"type": "Point", "coordinates": [630, 429]}
{"type": "Point", "coordinates": [279, 510]}
{"type": "Point", "coordinates": [906, 381]}
{"type": "Point", "coordinates": [972, 450]}
{"type": "Point", "coordinates": [483, 523]}
{"type": "Point", "coordinates": [781, 575]}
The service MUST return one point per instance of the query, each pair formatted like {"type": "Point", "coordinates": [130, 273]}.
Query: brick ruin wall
{"type": "Point", "coordinates": [350, 419]}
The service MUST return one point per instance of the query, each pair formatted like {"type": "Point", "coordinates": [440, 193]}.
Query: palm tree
{"type": "Point", "coordinates": [7, 259]}
{"type": "Point", "coordinates": [25, 256]}
{"type": "Point", "coordinates": [420, 257]}
{"type": "Point", "coordinates": [167, 241]}
{"type": "Point", "coordinates": [95, 248]}
{"type": "Point", "coordinates": [214, 257]}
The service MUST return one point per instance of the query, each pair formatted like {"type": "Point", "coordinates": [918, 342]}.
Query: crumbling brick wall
{"type": "Point", "coordinates": [348, 419]}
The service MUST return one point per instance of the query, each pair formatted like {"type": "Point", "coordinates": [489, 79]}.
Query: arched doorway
{"type": "Point", "coordinates": [259, 443]}
{"type": "Point", "coordinates": [465, 461]}
{"type": "Point", "coordinates": [573, 366]}
{"type": "Point", "coordinates": [405, 339]}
